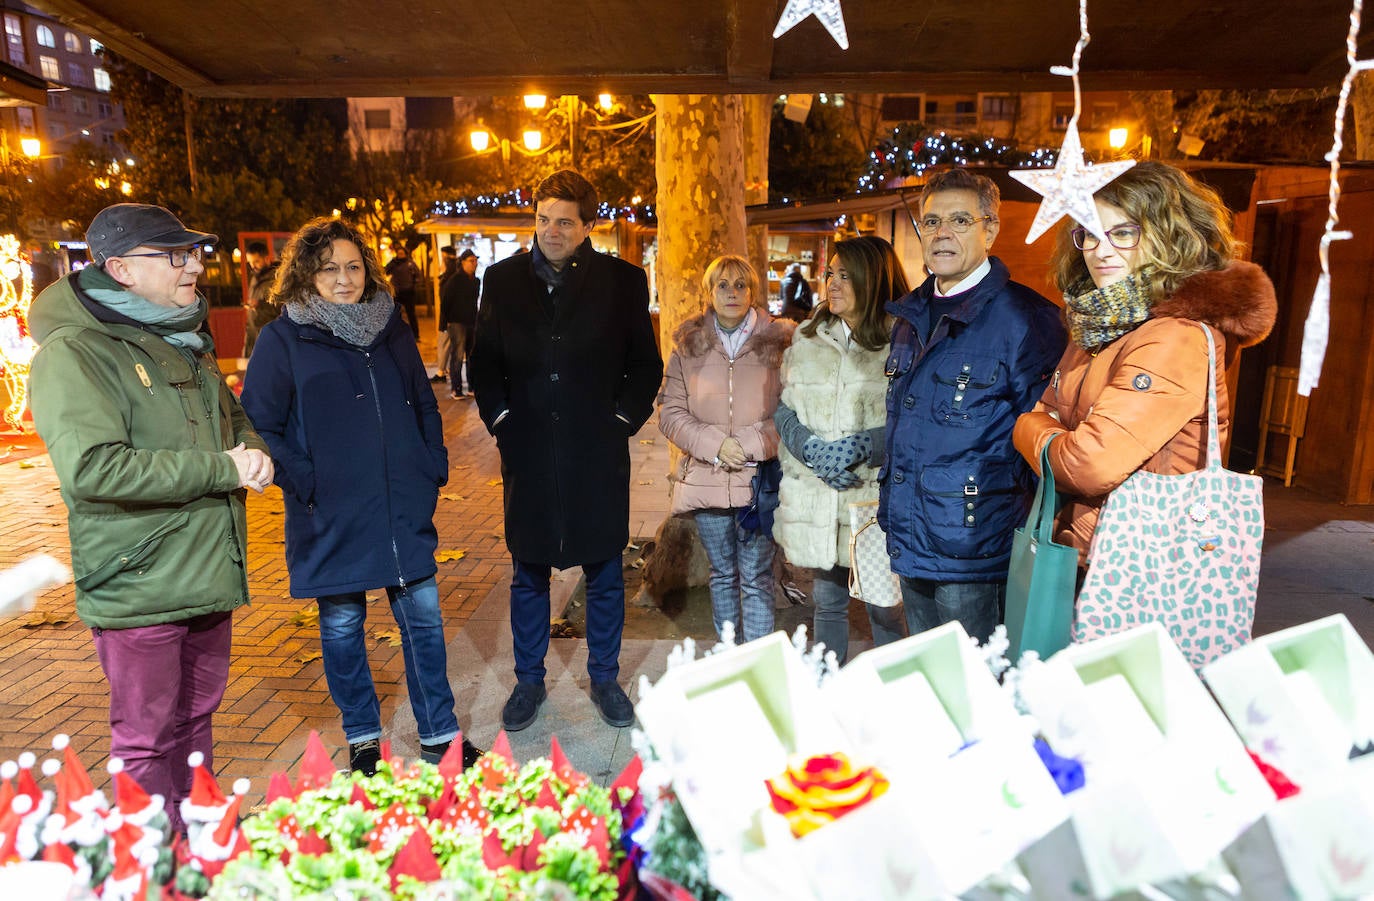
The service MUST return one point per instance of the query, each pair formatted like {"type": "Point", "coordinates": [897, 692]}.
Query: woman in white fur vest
{"type": "Point", "coordinates": [832, 420]}
{"type": "Point", "coordinates": [719, 392]}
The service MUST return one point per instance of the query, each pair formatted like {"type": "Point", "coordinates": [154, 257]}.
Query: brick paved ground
{"type": "Point", "coordinates": [50, 680]}
{"type": "Point", "coordinates": [1316, 562]}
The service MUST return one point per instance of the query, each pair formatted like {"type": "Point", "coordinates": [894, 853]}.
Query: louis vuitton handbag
{"type": "Point", "coordinates": [1041, 577]}
{"type": "Point", "coordinates": [871, 578]}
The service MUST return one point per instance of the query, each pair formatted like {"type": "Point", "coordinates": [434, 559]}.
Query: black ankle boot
{"type": "Point", "coordinates": [364, 756]}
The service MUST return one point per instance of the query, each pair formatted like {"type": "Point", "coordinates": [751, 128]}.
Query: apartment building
{"type": "Point", "coordinates": [78, 104]}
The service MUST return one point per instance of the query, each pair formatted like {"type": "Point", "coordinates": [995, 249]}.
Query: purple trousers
{"type": "Point", "coordinates": [166, 682]}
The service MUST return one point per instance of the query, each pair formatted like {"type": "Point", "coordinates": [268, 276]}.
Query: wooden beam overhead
{"type": "Point", "coordinates": [335, 48]}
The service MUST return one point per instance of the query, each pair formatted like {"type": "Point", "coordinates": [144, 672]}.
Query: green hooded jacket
{"type": "Point", "coordinates": [137, 433]}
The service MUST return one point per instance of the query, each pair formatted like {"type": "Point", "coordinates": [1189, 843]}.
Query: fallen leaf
{"type": "Point", "coordinates": [38, 620]}
{"type": "Point", "coordinates": [390, 636]}
{"type": "Point", "coordinates": [30, 464]}
{"type": "Point", "coordinates": [646, 441]}
{"type": "Point", "coordinates": [649, 482]}
{"type": "Point", "coordinates": [309, 657]}
{"type": "Point", "coordinates": [449, 555]}
{"type": "Point", "coordinates": [494, 482]}
{"type": "Point", "coordinates": [308, 616]}
{"type": "Point", "coordinates": [452, 497]}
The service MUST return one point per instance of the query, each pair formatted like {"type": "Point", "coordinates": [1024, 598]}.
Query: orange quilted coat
{"type": "Point", "coordinates": [1141, 402]}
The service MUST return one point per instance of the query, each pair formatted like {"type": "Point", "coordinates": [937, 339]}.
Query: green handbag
{"type": "Point", "coordinates": [1041, 578]}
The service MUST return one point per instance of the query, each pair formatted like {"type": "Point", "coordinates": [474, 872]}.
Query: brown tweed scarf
{"type": "Point", "coordinates": [1102, 315]}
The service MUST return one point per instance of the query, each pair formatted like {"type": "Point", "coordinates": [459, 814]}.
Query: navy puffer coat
{"type": "Point", "coordinates": [359, 450]}
{"type": "Point", "coordinates": [954, 488]}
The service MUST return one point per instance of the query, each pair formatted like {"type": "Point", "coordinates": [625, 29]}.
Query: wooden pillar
{"type": "Point", "coordinates": [700, 166]}
{"type": "Point", "coordinates": [700, 169]}
{"type": "Point", "coordinates": [1362, 108]}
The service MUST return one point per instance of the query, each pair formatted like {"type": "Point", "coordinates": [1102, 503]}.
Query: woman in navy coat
{"type": "Point", "coordinates": [337, 389]}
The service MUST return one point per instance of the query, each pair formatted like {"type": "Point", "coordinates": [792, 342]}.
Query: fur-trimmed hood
{"type": "Point", "coordinates": [1239, 301]}
{"type": "Point", "coordinates": [697, 337]}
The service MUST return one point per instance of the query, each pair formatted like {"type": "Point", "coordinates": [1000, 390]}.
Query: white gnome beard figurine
{"type": "Point", "coordinates": [19, 585]}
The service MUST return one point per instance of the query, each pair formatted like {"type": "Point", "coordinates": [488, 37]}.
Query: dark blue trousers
{"type": "Point", "coordinates": [529, 618]}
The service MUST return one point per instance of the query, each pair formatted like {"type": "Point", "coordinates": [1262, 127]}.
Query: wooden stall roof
{"type": "Point", "coordinates": [335, 48]}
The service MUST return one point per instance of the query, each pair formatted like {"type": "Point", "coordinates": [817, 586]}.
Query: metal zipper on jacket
{"type": "Point", "coordinates": [381, 432]}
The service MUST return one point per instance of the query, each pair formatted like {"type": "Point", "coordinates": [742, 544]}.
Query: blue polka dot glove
{"type": "Point", "coordinates": [832, 462]}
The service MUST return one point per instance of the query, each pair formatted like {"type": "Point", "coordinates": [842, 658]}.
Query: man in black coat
{"type": "Point", "coordinates": [565, 370]}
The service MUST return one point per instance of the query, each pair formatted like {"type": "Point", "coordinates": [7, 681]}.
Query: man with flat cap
{"type": "Point", "coordinates": [153, 453]}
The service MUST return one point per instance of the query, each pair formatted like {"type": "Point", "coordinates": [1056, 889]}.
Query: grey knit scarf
{"type": "Point", "coordinates": [357, 323]}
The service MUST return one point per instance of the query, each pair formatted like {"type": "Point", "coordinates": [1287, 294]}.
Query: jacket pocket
{"type": "Point", "coordinates": [971, 509]}
{"type": "Point", "coordinates": [133, 556]}
{"type": "Point", "coordinates": [966, 390]}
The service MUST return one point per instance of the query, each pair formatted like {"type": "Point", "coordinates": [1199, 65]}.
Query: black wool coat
{"type": "Point", "coordinates": [559, 371]}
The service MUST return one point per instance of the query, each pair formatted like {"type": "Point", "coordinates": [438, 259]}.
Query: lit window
{"type": "Point", "coordinates": [14, 39]}
{"type": "Point", "coordinates": [71, 42]}
{"type": "Point", "coordinates": [45, 37]}
{"type": "Point", "coordinates": [51, 70]}
{"type": "Point", "coordinates": [102, 80]}
{"type": "Point", "coordinates": [23, 115]}
{"type": "Point", "coordinates": [96, 47]}
{"type": "Point", "coordinates": [999, 108]}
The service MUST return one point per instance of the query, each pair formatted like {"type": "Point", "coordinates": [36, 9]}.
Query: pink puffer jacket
{"type": "Point", "coordinates": [706, 398]}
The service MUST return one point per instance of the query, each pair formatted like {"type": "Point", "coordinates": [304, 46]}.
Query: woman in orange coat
{"type": "Point", "coordinates": [1131, 390]}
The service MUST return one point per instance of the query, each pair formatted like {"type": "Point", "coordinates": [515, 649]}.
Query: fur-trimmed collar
{"type": "Point", "coordinates": [697, 337]}
{"type": "Point", "coordinates": [1238, 301]}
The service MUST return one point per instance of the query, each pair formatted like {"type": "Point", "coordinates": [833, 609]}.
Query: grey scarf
{"type": "Point", "coordinates": [357, 323]}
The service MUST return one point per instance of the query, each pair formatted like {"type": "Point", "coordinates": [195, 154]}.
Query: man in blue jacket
{"type": "Point", "coordinates": [971, 351]}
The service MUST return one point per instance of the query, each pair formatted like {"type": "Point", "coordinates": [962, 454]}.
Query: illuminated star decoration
{"type": "Point", "coordinates": [1316, 329]}
{"type": "Point", "coordinates": [828, 11]}
{"type": "Point", "coordinates": [1068, 188]}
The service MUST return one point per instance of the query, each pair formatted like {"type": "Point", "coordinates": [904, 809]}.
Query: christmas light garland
{"type": "Point", "coordinates": [1318, 325]}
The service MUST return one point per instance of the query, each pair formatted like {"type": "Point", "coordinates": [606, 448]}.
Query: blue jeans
{"type": "Point", "coordinates": [830, 623]}
{"type": "Point", "coordinates": [929, 604]}
{"type": "Point", "coordinates": [529, 618]}
{"type": "Point", "coordinates": [741, 574]}
{"type": "Point", "coordinates": [344, 644]}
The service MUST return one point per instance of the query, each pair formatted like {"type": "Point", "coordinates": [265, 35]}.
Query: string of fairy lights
{"type": "Point", "coordinates": [520, 201]}
{"type": "Point", "coordinates": [910, 150]}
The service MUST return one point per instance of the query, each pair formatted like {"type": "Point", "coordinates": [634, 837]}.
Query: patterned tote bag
{"type": "Point", "coordinates": [1182, 550]}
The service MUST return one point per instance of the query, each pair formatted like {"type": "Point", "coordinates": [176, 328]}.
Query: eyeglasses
{"type": "Point", "coordinates": [958, 223]}
{"type": "Point", "coordinates": [178, 258]}
{"type": "Point", "coordinates": [1122, 237]}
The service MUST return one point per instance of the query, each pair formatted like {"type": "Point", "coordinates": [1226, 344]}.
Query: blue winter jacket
{"type": "Point", "coordinates": [358, 445]}
{"type": "Point", "coordinates": [954, 488]}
